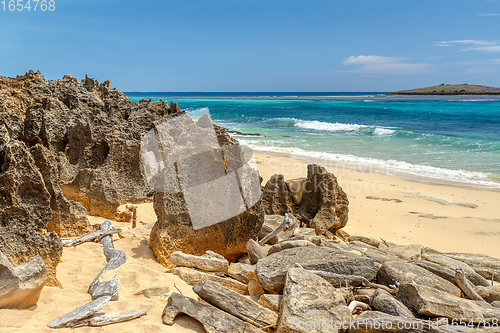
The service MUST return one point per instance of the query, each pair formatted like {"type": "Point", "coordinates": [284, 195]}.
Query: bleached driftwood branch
{"type": "Point", "coordinates": [364, 281]}
{"type": "Point", "coordinates": [115, 258]}
{"type": "Point", "coordinates": [70, 319]}
{"type": "Point", "coordinates": [88, 237]}
{"type": "Point", "coordinates": [112, 317]}
{"type": "Point", "coordinates": [287, 222]}
{"type": "Point", "coordinates": [464, 284]}
{"type": "Point", "coordinates": [358, 305]}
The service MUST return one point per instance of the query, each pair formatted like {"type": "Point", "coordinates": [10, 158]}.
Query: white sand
{"type": "Point", "coordinates": [464, 229]}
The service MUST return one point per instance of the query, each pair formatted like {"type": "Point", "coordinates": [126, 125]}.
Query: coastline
{"type": "Point", "coordinates": [404, 211]}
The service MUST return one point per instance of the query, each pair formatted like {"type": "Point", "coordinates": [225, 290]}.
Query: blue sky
{"type": "Point", "coordinates": [256, 45]}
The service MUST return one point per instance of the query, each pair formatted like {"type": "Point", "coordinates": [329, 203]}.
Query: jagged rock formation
{"type": "Point", "coordinates": [323, 205]}
{"type": "Point", "coordinates": [67, 149]}
{"type": "Point", "coordinates": [88, 138]}
{"type": "Point", "coordinates": [25, 210]}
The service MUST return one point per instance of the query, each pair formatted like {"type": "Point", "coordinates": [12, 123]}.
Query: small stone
{"type": "Point", "coordinates": [383, 301]}
{"type": "Point", "coordinates": [239, 271]}
{"type": "Point", "coordinates": [255, 251]}
{"type": "Point", "coordinates": [271, 301]}
{"type": "Point", "coordinates": [296, 188]}
{"type": "Point", "coordinates": [210, 261]}
{"type": "Point", "coordinates": [410, 252]}
{"type": "Point", "coordinates": [288, 244]}
{"type": "Point", "coordinates": [254, 288]}
{"type": "Point", "coordinates": [191, 276]}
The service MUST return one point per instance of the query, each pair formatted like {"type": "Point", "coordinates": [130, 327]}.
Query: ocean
{"type": "Point", "coordinates": [439, 139]}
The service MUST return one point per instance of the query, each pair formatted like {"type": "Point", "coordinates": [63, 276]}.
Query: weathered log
{"type": "Point", "coordinates": [287, 222]}
{"type": "Point", "coordinates": [364, 281]}
{"type": "Point", "coordinates": [112, 317]}
{"type": "Point", "coordinates": [115, 258]}
{"type": "Point", "coordinates": [82, 312]}
{"type": "Point", "coordinates": [464, 284]}
{"type": "Point", "coordinates": [88, 237]}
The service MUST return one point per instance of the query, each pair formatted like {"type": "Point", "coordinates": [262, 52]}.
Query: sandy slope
{"type": "Point", "coordinates": [413, 220]}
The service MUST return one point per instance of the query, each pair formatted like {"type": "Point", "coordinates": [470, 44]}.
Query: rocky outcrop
{"type": "Point", "coordinates": [90, 136]}
{"type": "Point", "coordinates": [206, 197]}
{"type": "Point", "coordinates": [25, 210]}
{"type": "Point", "coordinates": [20, 286]}
{"type": "Point", "coordinates": [323, 205]}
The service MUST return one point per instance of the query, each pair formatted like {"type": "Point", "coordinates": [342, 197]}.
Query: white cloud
{"type": "Point", "coordinates": [370, 64]}
{"type": "Point", "coordinates": [495, 61]}
{"type": "Point", "coordinates": [492, 14]}
{"type": "Point", "coordinates": [472, 45]}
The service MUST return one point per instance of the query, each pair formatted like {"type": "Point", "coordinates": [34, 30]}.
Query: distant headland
{"type": "Point", "coordinates": [451, 89]}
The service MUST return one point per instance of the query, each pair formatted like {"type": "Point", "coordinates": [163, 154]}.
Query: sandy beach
{"type": "Point", "coordinates": [397, 210]}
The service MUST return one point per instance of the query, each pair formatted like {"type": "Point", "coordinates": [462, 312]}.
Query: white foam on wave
{"type": "Point", "coordinates": [324, 126]}
{"type": "Point", "coordinates": [388, 167]}
{"type": "Point", "coordinates": [341, 127]}
{"type": "Point", "coordinates": [195, 114]}
{"type": "Point", "coordinates": [383, 131]}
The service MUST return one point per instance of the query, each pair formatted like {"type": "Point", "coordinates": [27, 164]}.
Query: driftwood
{"type": "Point", "coordinates": [113, 317]}
{"type": "Point", "coordinates": [364, 281]}
{"type": "Point", "coordinates": [70, 319]}
{"type": "Point", "coordinates": [101, 292]}
{"type": "Point", "coordinates": [115, 258]}
{"type": "Point", "coordinates": [358, 305]}
{"type": "Point", "coordinates": [134, 217]}
{"type": "Point", "coordinates": [88, 237]}
{"type": "Point", "coordinates": [287, 222]}
{"type": "Point", "coordinates": [464, 284]}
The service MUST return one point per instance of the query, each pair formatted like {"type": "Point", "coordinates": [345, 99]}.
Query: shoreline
{"type": "Point", "coordinates": [446, 218]}
{"type": "Point", "coordinates": [390, 172]}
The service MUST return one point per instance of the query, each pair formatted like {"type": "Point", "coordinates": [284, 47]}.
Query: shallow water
{"type": "Point", "coordinates": [448, 138]}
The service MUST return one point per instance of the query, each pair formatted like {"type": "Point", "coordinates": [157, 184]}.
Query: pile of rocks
{"type": "Point", "coordinates": [305, 282]}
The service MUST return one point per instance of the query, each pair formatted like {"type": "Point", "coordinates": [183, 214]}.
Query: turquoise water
{"type": "Point", "coordinates": [439, 138]}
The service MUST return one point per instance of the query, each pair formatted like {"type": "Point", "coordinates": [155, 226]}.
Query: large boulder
{"type": "Point", "coordinates": [20, 286]}
{"type": "Point", "coordinates": [25, 211]}
{"type": "Point", "coordinates": [431, 302]}
{"type": "Point", "coordinates": [392, 272]}
{"type": "Point", "coordinates": [213, 319]}
{"type": "Point", "coordinates": [271, 270]}
{"type": "Point", "coordinates": [486, 266]}
{"type": "Point", "coordinates": [309, 302]}
{"type": "Point", "coordinates": [206, 196]}
{"type": "Point", "coordinates": [323, 206]}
